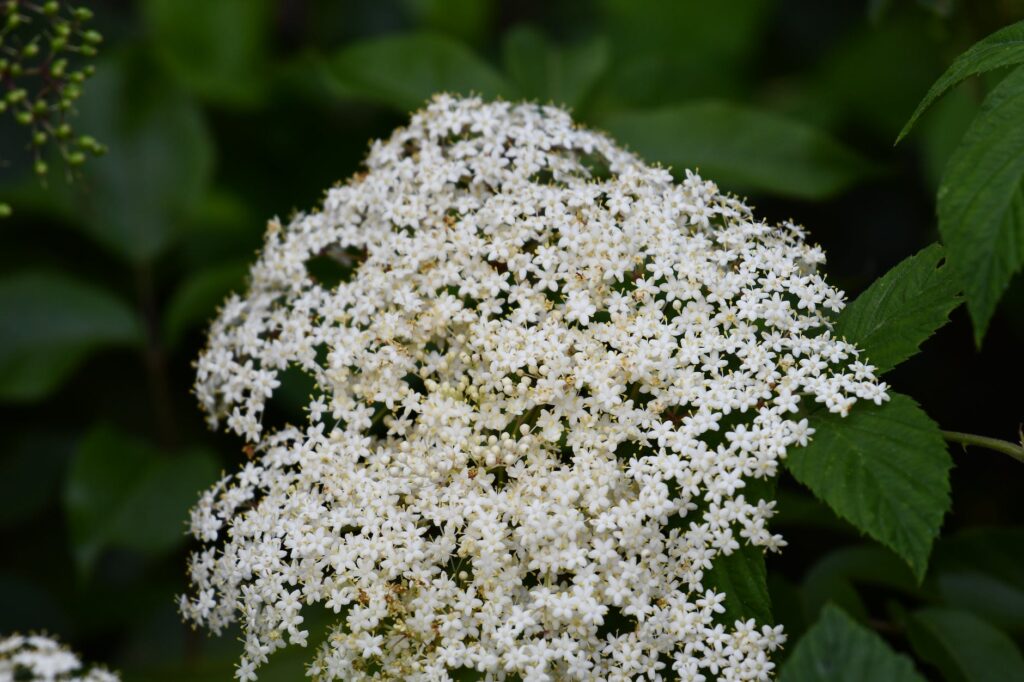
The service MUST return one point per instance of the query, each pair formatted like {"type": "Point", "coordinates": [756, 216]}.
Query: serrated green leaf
{"type": "Point", "coordinates": [981, 201]}
{"type": "Point", "coordinates": [216, 50]}
{"type": "Point", "coordinates": [49, 324]}
{"type": "Point", "coordinates": [403, 71]}
{"type": "Point", "coordinates": [901, 309]}
{"type": "Point", "coordinates": [1005, 47]}
{"type": "Point", "coordinates": [547, 72]}
{"type": "Point", "coordinates": [742, 149]}
{"type": "Point", "coordinates": [838, 649]}
{"type": "Point", "coordinates": [964, 647]}
{"type": "Point", "coordinates": [743, 578]}
{"type": "Point", "coordinates": [159, 161]}
{"type": "Point", "coordinates": [885, 469]}
{"type": "Point", "coordinates": [198, 296]}
{"type": "Point", "coordinates": [123, 493]}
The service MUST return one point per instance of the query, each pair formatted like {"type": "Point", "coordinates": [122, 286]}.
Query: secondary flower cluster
{"type": "Point", "coordinates": [35, 658]}
{"type": "Point", "coordinates": [546, 377]}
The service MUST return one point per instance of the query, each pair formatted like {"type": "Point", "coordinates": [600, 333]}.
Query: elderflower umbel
{"type": "Point", "coordinates": [35, 658]}
{"type": "Point", "coordinates": [546, 375]}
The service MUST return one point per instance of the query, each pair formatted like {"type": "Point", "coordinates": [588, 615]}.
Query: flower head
{"type": "Point", "coordinates": [38, 658]}
{"type": "Point", "coordinates": [545, 374]}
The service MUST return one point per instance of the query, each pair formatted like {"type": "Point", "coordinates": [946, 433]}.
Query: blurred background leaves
{"type": "Point", "coordinates": [221, 115]}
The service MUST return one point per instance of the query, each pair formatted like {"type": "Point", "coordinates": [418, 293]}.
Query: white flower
{"type": "Point", "coordinates": [36, 658]}
{"type": "Point", "coordinates": [544, 375]}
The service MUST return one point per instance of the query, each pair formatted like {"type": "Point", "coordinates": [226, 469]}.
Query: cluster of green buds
{"type": "Point", "coordinates": [44, 50]}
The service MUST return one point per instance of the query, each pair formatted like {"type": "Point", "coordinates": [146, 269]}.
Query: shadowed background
{"type": "Point", "coordinates": [220, 115]}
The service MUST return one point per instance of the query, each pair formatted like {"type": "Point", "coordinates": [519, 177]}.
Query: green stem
{"type": "Point", "coordinates": [156, 359]}
{"type": "Point", "coordinates": [995, 444]}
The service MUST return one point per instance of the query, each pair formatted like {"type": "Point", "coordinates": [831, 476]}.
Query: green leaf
{"type": "Point", "coordinates": [196, 300]}
{"type": "Point", "coordinates": [833, 576]}
{"type": "Point", "coordinates": [981, 201]}
{"type": "Point", "coordinates": [466, 20]}
{"type": "Point", "coordinates": [662, 49]}
{"type": "Point", "coordinates": [964, 647]}
{"type": "Point", "coordinates": [743, 149]}
{"type": "Point", "coordinates": [901, 309]}
{"type": "Point", "coordinates": [838, 649]}
{"type": "Point", "coordinates": [159, 161]}
{"type": "Point", "coordinates": [852, 85]}
{"type": "Point", "coordinates": [123, 493]}
{"type": "Point", "coordinates": [743, 578]}
{"type": "Point", "coordinates": [885, 469]}
{"type": "Point", "coordinates": [981, 570]}
{"type": "Point", "coordinates": [49, 324]}
{"type": "Point", "coordinates": [551, 73]}
{"type": "Point", "coordinates": [1005, 47]}
{"type": "Point", "coordinates": [216, 50]}
{"type": "Point", "coordinates": [403, 71]}
{"type": "Point", "coordinates": [941, 131]}
{"type": "Point", "coordinates": [742, 574]}
{"type": "Point", "coordinates": [30, 474]}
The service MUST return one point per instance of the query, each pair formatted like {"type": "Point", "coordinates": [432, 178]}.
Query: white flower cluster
{"type": "Point", "coordinates": [545, 374]}
{"type": "Point", "coordinates": [35, 658]}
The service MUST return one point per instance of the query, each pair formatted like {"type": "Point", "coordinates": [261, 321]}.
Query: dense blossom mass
{"type": "Point", "coordinates": [36, 658]}
{"type": "Point", "coordinates": [546, 380]}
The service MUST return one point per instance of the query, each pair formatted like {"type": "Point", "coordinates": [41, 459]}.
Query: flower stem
{"type": "Point", "coordinates": [996, 444]}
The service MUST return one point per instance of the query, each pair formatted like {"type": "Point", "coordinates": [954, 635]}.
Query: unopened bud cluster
{"type": "Point", "coordinates": [546, 377]}
{"type": "Point", "coordinates": [35, 658]}
{"type": "Point", "coordinates": [40, 45]}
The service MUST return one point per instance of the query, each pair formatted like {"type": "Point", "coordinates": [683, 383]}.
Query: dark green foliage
{"type": "Point", "coordinates": [49, 323]}
{"type": "Point", "coordinates": [1003, 48]}
{"type": "Point", "coordinates": [220, 115]}
{"type": "Point", "coordinates": [885, 469]}
{"type": "Point", "coordinates": [981, 201]}
{"type": "Point", "coordinates": [742, 576]}
{"type": "Point", "coordinates": [745, 149]}
{"type": "Point", "coordinates": [901, 309]}
{"type": "Point", "coordinates": [121, 492]}
{"type": "Point", "coordinates": [964, 647]}
{"type": "Point", "coordinates": [838, 649]}
{"type": "Point", "coordinates": [553, 73]}
{"type": "Point", "coordinates": [981, 196]}
{"type": "Point", "coordinates": [404, 71]}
